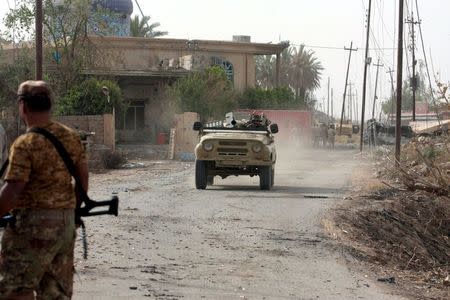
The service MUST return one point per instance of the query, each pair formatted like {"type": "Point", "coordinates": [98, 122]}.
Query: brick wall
{"type": "Point", "coordinates": [102, 125]}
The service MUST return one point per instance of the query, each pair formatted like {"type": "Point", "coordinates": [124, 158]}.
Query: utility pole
{"type": "Point", "coordinates": [351, 49]}
{"type": "Point", "coordinates": [414, 61]}
{"type": "Point", "coordinates": [332, 105]}
{"type": "Point", "coordinates": [373, 129]}
{"type": "Point", "coordinates": [357, 102]}
{"type": "Point", "coordinates": [376, 86]}
{"type": "Point", "coordinates": [392, 95]}
{"type": "Point", "coordinates": [349, 104]}
{"type": "Point", "coordinates": [398, 121]}
{"type": "Point", "coordinates": [366, 64]}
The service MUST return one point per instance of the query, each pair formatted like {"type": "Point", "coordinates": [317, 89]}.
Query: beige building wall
{"type": "Point", "coordinates": [169, 58]}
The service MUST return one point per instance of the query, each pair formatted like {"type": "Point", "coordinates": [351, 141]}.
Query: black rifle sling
{"type": "Point", "coordinates": [65, 157]}
{"type": "Point", "coordinates": [4, 167]}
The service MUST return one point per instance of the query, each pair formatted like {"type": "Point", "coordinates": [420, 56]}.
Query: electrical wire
{"type": "Point", "coordinates": [333, 47]}
{"type": "Point", "coordinates": [380, 13]}
{"type": "Point", "coordinates": [426, 64]}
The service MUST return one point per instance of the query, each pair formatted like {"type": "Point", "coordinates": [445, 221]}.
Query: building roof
{"type": "Point", "coordinates": [184, 44]}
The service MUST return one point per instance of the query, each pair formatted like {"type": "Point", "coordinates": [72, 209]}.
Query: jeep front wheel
{"type": "Point", "coordinates": [200, 174]}
{"type": "Point", "coordinates": [265, 178]}
{"type": "Point", "coordinates": [272, 177]}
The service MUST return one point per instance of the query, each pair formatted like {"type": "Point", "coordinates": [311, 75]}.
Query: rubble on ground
{"type": "Point", "coordinates": [403, 225]}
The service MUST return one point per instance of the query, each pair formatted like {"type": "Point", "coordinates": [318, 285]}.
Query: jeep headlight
{"type": "Point", "coordinates": [257, 148]}
{"type": "Point", "coordinates": [208, 146]}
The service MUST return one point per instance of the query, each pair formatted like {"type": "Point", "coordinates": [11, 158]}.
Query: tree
{"type": "Point", "coordinates": [305, 72]}
{"type": "Point", "coordinates": [67, 47]}
{"type": "Point", "coordinates": [265, 71]}
{"type": "Point", "coordinates": [300, 71]}
{"type": "Point", "coordinates": [208, 93]}
{"type": "Point", "coordinates": [277, 98]}
{"type": "Point", "coordinates": [87, 98]}
{"type": "Point", "coordinates": [141, 28]}
{"type": "Point", "coordinates": [65, 36]}
{"type": "Point", "coordinates": [422, 93]}
{"type": "Point", "coordinates": [11, 75]}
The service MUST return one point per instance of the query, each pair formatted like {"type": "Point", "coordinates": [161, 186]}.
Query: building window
{"type": "Point", "coordinates": [134, 118]}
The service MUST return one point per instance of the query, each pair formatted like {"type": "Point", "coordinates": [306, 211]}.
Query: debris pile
{"type": "Point", "coordinates": [425, 165]}
{"type": "Point", "coordinates": [404, 227]}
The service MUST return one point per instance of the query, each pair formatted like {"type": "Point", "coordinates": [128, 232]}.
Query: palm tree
{"type": "Point", "coordinates": [265, 71]}
{"type": "Point", "coordinates": [141, 28]}
{"type": "Point", "coordinates": [305, 72]}
{"type": "Point", "coordinates": [286, 65]}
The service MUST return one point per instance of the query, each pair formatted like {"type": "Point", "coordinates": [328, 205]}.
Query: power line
{"type": "Point", "coordinates": [426, 64]}
{"type": "Point", "coordinates": [336, 48]}
{"type": "Point", "coordinates": [380, 13]}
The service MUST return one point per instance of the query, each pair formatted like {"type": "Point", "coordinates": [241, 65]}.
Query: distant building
{"type": "Point", "coordinates": [107, 17]}
{"type": "Point", "coordinates": [116, 22]}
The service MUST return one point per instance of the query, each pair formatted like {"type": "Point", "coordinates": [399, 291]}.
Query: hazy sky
{"type": "Point", "coordinates": [318, 23]}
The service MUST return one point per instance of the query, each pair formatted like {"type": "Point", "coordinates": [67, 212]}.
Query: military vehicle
{"type": "Point", "coordinates": [236, 147]}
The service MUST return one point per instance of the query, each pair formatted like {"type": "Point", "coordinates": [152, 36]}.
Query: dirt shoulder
{"type": "Point", "coordinates": [401, 236]}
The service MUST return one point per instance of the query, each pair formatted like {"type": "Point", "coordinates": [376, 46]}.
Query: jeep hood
{"type": "Point", "coordinates": [236, 135]}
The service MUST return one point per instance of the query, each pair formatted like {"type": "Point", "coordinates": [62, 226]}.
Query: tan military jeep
{"type": "Point", "coordinates": [239, 148]}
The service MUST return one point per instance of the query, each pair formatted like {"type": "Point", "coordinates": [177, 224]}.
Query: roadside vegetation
{"type": "Point", "coordinates": [399, 222]}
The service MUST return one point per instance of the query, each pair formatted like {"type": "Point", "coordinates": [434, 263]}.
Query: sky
{"type": "Point", "coordinates": [324, 26]}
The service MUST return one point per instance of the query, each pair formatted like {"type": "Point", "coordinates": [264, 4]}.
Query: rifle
{"type": "Point", "coordinates": [82, 211]}
{"type": "Point", "coordinates": [81, 195]}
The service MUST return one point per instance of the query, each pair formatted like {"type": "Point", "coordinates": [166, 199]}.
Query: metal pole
{"type": "Point", "coordinates": [376, 86]}
{"type": "Point", "coordinates": [350, 112]}
{"type": "Point", "coordinates": [328, 101]}
{"type": "Point", "coordinates": [366, 64]}
{"type": "Point", "coordinates": [398, 121]}
{"type": "Point", "coordinates": [38, 24]}
{"type": "Point", "coordinates": [346, 81]}
{"type": "Point", "coordinates": [414, 62]}
{"type": "Point", "coordinates": [392, 96]}
{"type": "Point", "coordinates": [332, 105]}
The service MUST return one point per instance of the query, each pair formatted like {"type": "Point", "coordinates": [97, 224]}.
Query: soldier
{"type": "Point", "coordinates": [37, 250]}
{"type": "Point", "coordinates": [331, 136]}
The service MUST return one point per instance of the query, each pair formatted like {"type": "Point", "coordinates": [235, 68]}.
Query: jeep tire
{"type": "Point", "coordinates": [272, 177]}
{"type": "Point", "coordinates": [200, 174]}
{"type": "Point", "coordinates": [210, 180]}
{"type": "Point", "coordinates": [265, 178]}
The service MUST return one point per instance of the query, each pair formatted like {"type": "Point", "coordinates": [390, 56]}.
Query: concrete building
{"type": "Point", "coordinates": [142, 66]}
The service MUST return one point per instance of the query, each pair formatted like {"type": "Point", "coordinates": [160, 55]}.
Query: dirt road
{"type": "Point", "coordinates": [231, 241]}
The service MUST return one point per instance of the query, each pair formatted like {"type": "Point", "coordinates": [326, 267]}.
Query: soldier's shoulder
{"type": "Point", "coordinates": [65, 130]}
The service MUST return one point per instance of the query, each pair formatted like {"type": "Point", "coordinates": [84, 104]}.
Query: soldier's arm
{"type": "Point", "coordinates": [81, 166]}
{"type": "Point", "coordinates": [9, 196]}
{"type": "Point", "coordinates": [83, 174]}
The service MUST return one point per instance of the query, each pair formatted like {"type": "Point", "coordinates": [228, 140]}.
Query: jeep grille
{"type": "Point", "coordinates": [232, 151]}
{"type": "Point", "coordinates": [233, 143]}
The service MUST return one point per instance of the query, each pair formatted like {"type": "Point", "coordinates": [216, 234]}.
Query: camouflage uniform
{"type": "Point", "coordinates": [37, 251]}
